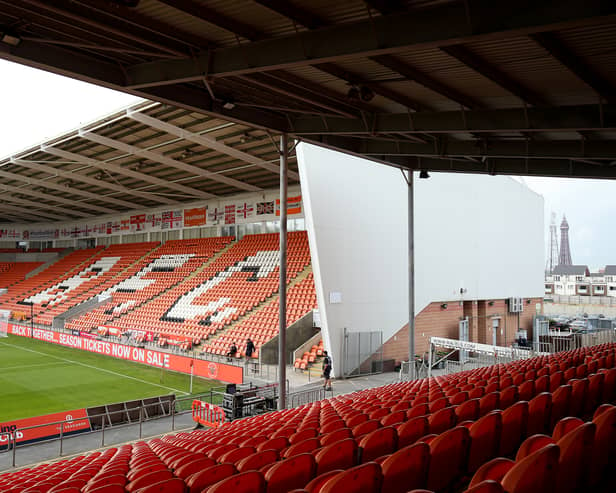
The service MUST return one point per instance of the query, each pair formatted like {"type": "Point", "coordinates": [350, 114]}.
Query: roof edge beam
{"type": "Point", "coordinates": [440, 26]}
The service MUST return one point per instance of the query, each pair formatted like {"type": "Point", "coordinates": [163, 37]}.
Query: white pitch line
{"type": "Point", "coordinates": [25, 367]}
{"type": "Point", "coordinates": [95, 368]}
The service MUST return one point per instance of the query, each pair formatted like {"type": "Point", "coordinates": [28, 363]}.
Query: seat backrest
{"type": "Point", "coordinates": [377, 443]}
{"type": "Point", "coordinates": [413, 429]}
{"type": "Point", "coordinates": [291, 473]}
{"type": "Point", "coordinates": [201, 480]}
{"type": "Point", "coordinates": [485, 435]}
{"type": "Point", "coordinates": [173, 485]}
{"type": "Point", "coordinates": [514, 424]}
{"type": "Point", "coordinates": [257, 460]}
{"type": "Point", "coordinates": [575, 456]}
{"type": "Point", "coordinates": [335, 436]}
{"type": "Point", "coordinates": [306, 445]}
{"type": "Point", "coordinates": [315, 485]}
{"type": "Point", "coordinates": [488, 486]}
{"type": "Point", "coordinates": [488, 403]}
{"type": "Point", "coordinates": [493, 470]}
{"type": "Point", "coordinates": [532, 444]}
{"type": "Point", "coordinates": [339, 455]}
{"type": "Point", "coordinates": [277, 443]}
{"type": "Point", "coordinates": [406, 469]}
{"type": "Point", "coordinates": [448, 457]}
{"type": "Point", "coordinates": [365, 427]}
{"type": "Point", "coordinates": [147, 479]}
{"type": "Point", "coordinates": [604, 447]}
{"type": "Point", "coordinates": [536, 472]}
{"type": "Point", "coordinates": [365, 478]}
{"type": "Point", "coordinates": [246, 482]}
{"type": "Point", "coordinates": [442, 420]}
{"type": "Point", "coordinates": [564, 426]}
{"type": "Point", "coordinates": [539, 409]}
{"type": "Point", "coordinates": [467, 410]}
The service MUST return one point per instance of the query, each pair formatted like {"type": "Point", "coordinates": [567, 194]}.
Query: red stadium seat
{"type": "Point", "coordinates": [290, 473]}
{"type": "Point", "coordinates": [377, 443]}
{"type": "Point", "coordinates": [365, 478]}
{"type": "Point", "coordinates": [406, 469]}
{"type": "Point", "coordinates": [339, 455]}
{"type": "Point", "coordinates": [485, 435]}
{"type": "Point", "coordinates": [536, 472]}
{"type": "Point", "coordinates": [448, 458]}
{"type": "Point", "coordinates": [246, 482]}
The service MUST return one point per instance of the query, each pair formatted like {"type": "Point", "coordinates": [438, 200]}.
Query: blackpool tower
{"type": "Point", "coordinates": [565, 253]}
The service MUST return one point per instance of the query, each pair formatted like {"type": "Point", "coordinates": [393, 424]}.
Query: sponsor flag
{"type": "Point", "coordinates": [125, 224]}
{"type": "Point", "coordinates": [25, 235]}
{"type": "Point", "coordinates": [75, 232]}
{"type": "Point", "coordinates": [230, 214]}
{"type": "Point", "coordinates": [194, 217]}
{"type": "Point", "coordinates": [245, 211]}
{"type": "Point", "coordinates": [294, 205]}
{"type": "Point", "coordinates": [264, 208]}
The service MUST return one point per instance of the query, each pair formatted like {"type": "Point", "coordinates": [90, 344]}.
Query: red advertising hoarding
{"type": "Point", "coordinates": [46, 426]}
{"type": "Point", "coordinates": [173, 362]}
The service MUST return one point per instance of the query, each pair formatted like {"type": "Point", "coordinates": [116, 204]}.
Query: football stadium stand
{"type": "Point", "coordinates": [183, 292]}
{"type": "Point", "coordinates": [12, 272]}
{"type": "Point", "coordinates": [542, 424]}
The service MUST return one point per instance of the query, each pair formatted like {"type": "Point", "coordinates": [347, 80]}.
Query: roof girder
{"type": "Point", "coordinates": [32, 203]}
{"type": "Point", "coordinates": [91, 181]}
{"type": "Point", "coordinates": [174, 163]}
{"type": "Point", "coordinates": [205, 141]}
{"type": "Point", "coordinates": [102, 165]}
{"type": "Point", "coordinates": [74, 191]}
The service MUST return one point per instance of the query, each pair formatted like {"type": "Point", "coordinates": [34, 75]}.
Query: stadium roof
{"type": "Point", "coordinates": [525, 87]}
{"type": "Point", "coordinates": [146, 156]}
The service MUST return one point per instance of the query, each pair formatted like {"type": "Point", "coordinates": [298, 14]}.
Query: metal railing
{"type": "Point", "coordinates": [177, 410]}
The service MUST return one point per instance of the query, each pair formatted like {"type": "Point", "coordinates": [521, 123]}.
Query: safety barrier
{"type": "Point", "coordinates": [207, 414]}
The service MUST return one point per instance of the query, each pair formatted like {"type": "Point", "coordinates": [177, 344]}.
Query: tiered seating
{"type": "Point", "coordinates": [12, 272]}
{"type": "Point", "coordinates": [62, 269]}
{"type": "Point", "coordinates": [263, 325]}
{"type": "Point", "coordinates": [91, 280]}
{"type": "Point", "coordinates": [162, 269]}
{"type": "Point", "coordinates": [228, 288]}
{"type": "Point", "coordinates": [309, 357]}
{"type": "Point", "coordinates": [439, 433]}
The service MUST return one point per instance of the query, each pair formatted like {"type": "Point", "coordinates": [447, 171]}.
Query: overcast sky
{"type": "Point", "coordinates": [37, 106]}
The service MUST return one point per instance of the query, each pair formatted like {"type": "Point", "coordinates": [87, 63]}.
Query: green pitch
{"type": "Point", "coordinates": [40, 378]}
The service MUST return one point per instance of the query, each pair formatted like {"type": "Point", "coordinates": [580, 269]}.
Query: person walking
{"type": "Point", "coordinates": [327, 370]}
{"type": "Point", "coordinates": [250, 347]}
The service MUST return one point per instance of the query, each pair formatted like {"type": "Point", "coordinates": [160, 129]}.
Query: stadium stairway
{"type": "Point", "coordinates": [545, 424]}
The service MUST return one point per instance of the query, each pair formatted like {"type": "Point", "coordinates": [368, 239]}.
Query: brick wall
{"type": "Point", "coordinates": [435, 321]}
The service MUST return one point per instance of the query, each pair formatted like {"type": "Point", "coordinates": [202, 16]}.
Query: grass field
{"type": "Point", "coordinates": [40, 378]}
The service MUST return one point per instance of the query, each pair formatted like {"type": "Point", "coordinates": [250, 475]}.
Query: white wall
{"type": "Point", "coordinates": [480, 233]}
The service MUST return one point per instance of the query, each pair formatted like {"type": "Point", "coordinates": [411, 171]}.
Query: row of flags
{"type": "Point", "coordinates": [234, 213]}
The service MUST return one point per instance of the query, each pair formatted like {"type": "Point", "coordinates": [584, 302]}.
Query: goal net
{"type": "Point", "coordinates": [4, 322]}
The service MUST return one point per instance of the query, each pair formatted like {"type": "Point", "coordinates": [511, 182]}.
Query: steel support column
{"type": "Point", "coordinates": [411, 247]}
{"type": "Point", "coordinates": [282, 336]}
